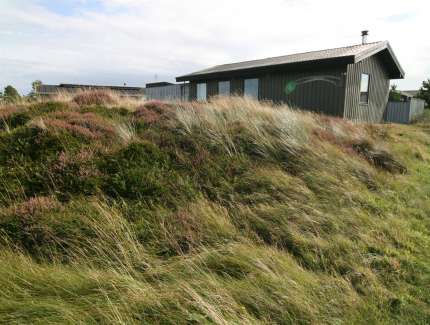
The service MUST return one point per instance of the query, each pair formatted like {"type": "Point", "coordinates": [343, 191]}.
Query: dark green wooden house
{"type": "Point", "coordinates": [351, 82]}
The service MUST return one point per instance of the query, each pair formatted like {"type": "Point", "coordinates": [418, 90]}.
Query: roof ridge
{"type": "Point", "coordinates": [346, 54]}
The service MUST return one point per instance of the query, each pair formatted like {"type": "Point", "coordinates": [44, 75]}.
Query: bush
{"type": "Point", "coordinates": [49, 107]}
{"type": "Point", "coordinates": [141, 171]}
{"type": "Point", "coordinates": [154, 111]}
{"type": "Point", "coordinates": [13, 117]}
{"type": "Point", "coordinates": [98, 97]}
{"type": "Point", "coordinates": [84, 125]}
{"type": "Point", "coordinates": [45, 228]}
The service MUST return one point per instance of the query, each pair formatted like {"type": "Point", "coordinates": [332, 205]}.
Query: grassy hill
{"type": "Point", "coordinates": [231, 212]}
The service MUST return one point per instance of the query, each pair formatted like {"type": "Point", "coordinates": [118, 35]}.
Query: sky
{"type": "Point", "coordinates": [112, 42]}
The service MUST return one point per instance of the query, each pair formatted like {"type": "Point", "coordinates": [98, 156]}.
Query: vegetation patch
{"type": "Point", "coordinates": [227, 212]}
{"type": "Point", "coordinates": [97, 97]}
{"type": "Point", "coordinates": [380, 158]}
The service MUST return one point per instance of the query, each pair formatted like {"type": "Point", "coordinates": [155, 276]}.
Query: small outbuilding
{"type": "Point", "coordinates": [351, 82]}
{"type": "Point", "coordinates": [406, 109]}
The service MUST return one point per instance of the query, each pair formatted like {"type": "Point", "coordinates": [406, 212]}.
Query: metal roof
{"type": "Point", "coordinates": [125, 88]}
{"type": "Point", "coordinates": [355, 53]}
{"type": "Point", "coordinates": [74, 88]}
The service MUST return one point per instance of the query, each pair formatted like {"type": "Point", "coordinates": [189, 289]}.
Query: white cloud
{"type": "Point", "coordinates": [131, 40]}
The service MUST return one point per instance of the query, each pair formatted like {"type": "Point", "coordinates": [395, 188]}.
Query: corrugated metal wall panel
{"type": "Point", "coordinates": [193, 91]}
{"type": "Point", "coordinates": [168, 93]}
{"type": "Point", "coordinates": [398, 112]}
{"type": "Point", "coordinates": [212, 88]}
{"type": "Point", "coordinates": [320, 91]}
{"type": "Point", "coordinates": [417, 108]}
{"type": "Point", "coordinates": [404, 112]}
{"type": "Point", "coordinates": [378, 90]}
{"type": "Point", "coordinates": [237, 86]}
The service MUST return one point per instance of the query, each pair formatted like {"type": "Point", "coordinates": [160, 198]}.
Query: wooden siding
{"type": "Point", "coordinates": [378, 90]}
{"type": "Point", "coordinates": [319, 90]}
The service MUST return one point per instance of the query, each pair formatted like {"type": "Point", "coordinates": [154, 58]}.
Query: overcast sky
{"type": "Point", "coordinates": [138, 41]}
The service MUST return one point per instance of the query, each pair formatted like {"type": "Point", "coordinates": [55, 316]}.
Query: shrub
{"type": "Point", "coordinates": [86, 125]}
{"type": "Point", "coordinates": [154, 111]}
{"type": "Point", "coordinates": [141, 171]}
{"type": "Point", "coordinates": [35, 206]}
{"type": "Point", "coordinates": [32, 144]}
{"type": "Point", "coordinates": [76, 173]}
{"type": "Point", "coordinates": [50, 107]}
{"type": "Point", "coordinates": [45, 228]}
{"type": "Point", "coordinates": [98, 97]}
{"type": "Point", "coordinates": [22, 223]}
{"type": "Point", "coordinates": [12, 117]}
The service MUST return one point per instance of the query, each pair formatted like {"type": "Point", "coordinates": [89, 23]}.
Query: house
{"type": "Point", "coordinates": [407, 95]}
{"type": "Point", "coordinates": [51, 90]}
{"type": "Point", "coordinates": [351, 82]}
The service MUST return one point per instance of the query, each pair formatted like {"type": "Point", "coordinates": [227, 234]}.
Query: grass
{"type": "Point", "coordinates": [230, 212]}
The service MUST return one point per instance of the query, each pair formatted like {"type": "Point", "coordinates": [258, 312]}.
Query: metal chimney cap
{"type": "Point", "coordinates": [364, 35]}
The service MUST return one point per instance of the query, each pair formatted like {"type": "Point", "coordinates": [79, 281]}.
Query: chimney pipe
{"type": "Point", "coordinates": [364, 35]}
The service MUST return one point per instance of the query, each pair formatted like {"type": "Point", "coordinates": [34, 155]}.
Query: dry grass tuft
{"type": "Point", "coordinates": [126, 132]}
{"type": "Point", "coordinates": [338, 131]}
{"type": "Point", "coordinates": [271, 129]}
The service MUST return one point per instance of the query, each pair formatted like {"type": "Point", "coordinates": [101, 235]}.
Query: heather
{"type": "Point", "coordinates": [115, 211]}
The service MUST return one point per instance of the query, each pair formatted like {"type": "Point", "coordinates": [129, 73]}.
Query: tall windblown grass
{"type": "Point", "coordinates": [270, 129]}
{"type": "Point", "coordinates": [227, 212]}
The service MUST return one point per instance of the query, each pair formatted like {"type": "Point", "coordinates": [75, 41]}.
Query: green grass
{"type": "Point", "coordinates": [231, 212]}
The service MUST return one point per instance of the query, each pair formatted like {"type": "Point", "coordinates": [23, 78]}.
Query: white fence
{"type": "Point", "coordinates": [404, 112]}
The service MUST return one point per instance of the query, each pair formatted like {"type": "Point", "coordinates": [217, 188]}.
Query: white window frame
{"type": "Point", "coordinates": [202, 92]}
{"type": "Point", "coordinates": [367, 90]}
{"type": "Point", "coordinates": [228, 88]}
{"type": "Point", "coordinates": [246, 85]}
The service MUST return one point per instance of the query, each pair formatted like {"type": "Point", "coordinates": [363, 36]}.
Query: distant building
{"type": "Point", "coordinates": [407, 95]}
{"type": "Point", "coordinates": [50, 90]}
{"type": "Point", "coordinates": [351, 82]}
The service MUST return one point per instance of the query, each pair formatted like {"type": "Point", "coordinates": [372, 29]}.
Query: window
{"type": "Point", "coordinates": [201, 92]}
{"type": "Point", "coordinates": [224, 88]}
{"type": "Point", "coordinates": [251, 88]}
{"type": "Point", "coordinates": [364, 90]}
